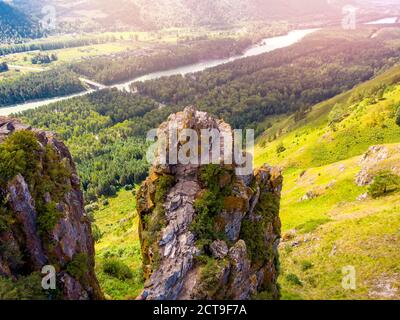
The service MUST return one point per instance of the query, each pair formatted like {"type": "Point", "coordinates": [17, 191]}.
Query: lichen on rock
{"type": "Point", "coordinates": [210, 233]}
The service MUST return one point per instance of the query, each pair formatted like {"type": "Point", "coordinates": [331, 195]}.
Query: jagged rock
{"type": "Point", "coordinates": [370, 164]}
{"type": "Point", "coordinates": [219, 249]}
{"type": "Point", "coordinates": [48, 224]}
{"type": "Point", "coordinates": [241, 258]}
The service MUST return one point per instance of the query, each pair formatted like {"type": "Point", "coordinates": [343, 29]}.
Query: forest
{"type": "Point", "coordinates": [108, 70]}
{"type": "Point", "coordinates": [46, 84]}
{"type": "Point", "coordinates": [105, 132]}
{"type": "Point", "coordinates": [16, 26]}
{"type": "Point", "coordinates": [125, 66]}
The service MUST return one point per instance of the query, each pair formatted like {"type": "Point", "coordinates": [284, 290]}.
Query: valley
{"type": "Point", "coordinates": [323, 101]}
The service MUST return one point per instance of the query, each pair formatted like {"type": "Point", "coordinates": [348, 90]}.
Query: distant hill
{"type": "Point", "coordinates": [172, 13]}
{"type": "Point", "coordinates": [15, 25]}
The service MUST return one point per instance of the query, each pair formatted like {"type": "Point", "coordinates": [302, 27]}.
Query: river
{"type": "Point", "coordinates": [266, 45]}
{"type": "Point", "coordinates": [390, 20]}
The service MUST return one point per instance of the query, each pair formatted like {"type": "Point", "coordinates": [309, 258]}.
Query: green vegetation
{"type": "Point", "coordinates": [118, 224]}
{"type": "Point", "coordinates": [333, 229]}
{"type": "Point", "coordinates": [210, 204]}
{"type": "Point", "coordinates": [253, 233]}
{"type": "Point", "coordinates": [44, 58]}
{"type": "Point", "coordinates": [3, 67]}
{"type": "Point", "coordinates": [384, 182]}
{"type": "Point", "coordinates": [15, 26]}
{"type": "Point", "coordinates": [42, 169]}
{"type": "Point", "coordinates": [78, 266]}
{"type": "Point", "coordinates": [19, 154]}
{"type": "Point", "coordinates": [25, 288]}
{"type": "Point", "coordinates": [105, 132]}
{"type": "Point", "coordinates": [155, 221]}
{"type": "Point", "coordinates": [54, 44]}
{"type": "Point", "coordinates": [125, 66]}
{"type": "Point", "coordinates": [210, 273]}
{"type": "Point", "coordinates": [47, 84]}
{"type": "Point", "coordinates": [117, 269]}
{"type": "Point", "coordinates": [292, 278]}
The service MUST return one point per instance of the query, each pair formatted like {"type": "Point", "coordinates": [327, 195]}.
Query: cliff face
{"type": "Point", "coordinates": [42, 220]}
{"type": "Point", "coordinates": [207, 233]}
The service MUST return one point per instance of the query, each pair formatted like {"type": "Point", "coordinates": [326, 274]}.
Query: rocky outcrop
{"type": "Point", "coordinates": [207, 232]}
{"type": "Point", "coordinates": [42, 218]}
{"type": "Point", "coordinates": [378, 158]}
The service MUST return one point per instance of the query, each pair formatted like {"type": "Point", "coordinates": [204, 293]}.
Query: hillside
{"type": "Point", "coordinates": [92, 14]}
{"type": "Point", "coordinates": [15, 25]}
{"type": "Point", "coordinates": [328, 219]}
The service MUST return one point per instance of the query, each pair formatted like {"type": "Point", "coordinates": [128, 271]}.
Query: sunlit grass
{"type": "Point", "coordinates": [118, 223]}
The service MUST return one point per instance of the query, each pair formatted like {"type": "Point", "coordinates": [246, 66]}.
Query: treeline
{"type": "Point", "coordinates": [54, 45]}
{"type": "Point", "coordinates": [285, 81]}
{"type": "Point", "coordinates": [46, 84]}
{"type": "Point", "coordinates": [125, 66]}
{"type": "Point", "coordinates": [105, 132]}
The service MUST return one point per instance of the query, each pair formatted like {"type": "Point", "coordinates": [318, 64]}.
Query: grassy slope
{"type": "Point", "coordinates": [118, 224]}
{"type": "Point", "coordinates": [325, 234]}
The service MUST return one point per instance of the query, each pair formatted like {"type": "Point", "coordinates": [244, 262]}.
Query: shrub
{"type": "Point", "coordinates": [91, 207]}
{"type": "Point", "coordinates": [292, 278]}
{"type": "Point", "coordinates": [305, 265]}
{"type": "Point", "coordinates": [25, 288]}
{"type": "Point", "coordinates": [96, 233]}
{"type": "Point", "coordinates": [163, 184]}
{"type": "Point", "coordinates": [210, 204]}
{"type": "Point", "coordinates": [117, 269]}
{"type": "Point", "coordinates": [48, 218]}
{"type": "Point", "coordinates": [129, 187]}
{"type": "Point", "coordinates": [78, 266]}
{"type": "Point", "coordinates": [19, 154]}
{"type": "Point", "coordinates": [384, 183]}
{"type": "Point", "coordinates": [207, 207]}
{"type": "Point", "coordinates": [280, 148]}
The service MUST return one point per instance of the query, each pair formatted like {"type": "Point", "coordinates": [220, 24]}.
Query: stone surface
{"type": "Point", "coordinates": [70, 237]}
{"type": "Point", "coordinates": [171, 264]}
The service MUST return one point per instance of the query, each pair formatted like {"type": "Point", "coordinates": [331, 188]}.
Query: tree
{"type": "Point", "coordinates": [3, 67]}
{"type": "Point", "coordinates": [384, 183]}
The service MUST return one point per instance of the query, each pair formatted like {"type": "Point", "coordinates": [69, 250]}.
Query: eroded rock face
{"type": "Point", "coordinates": [207, 233]}
{"type": "Point", "coordinates": [42, 218]}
